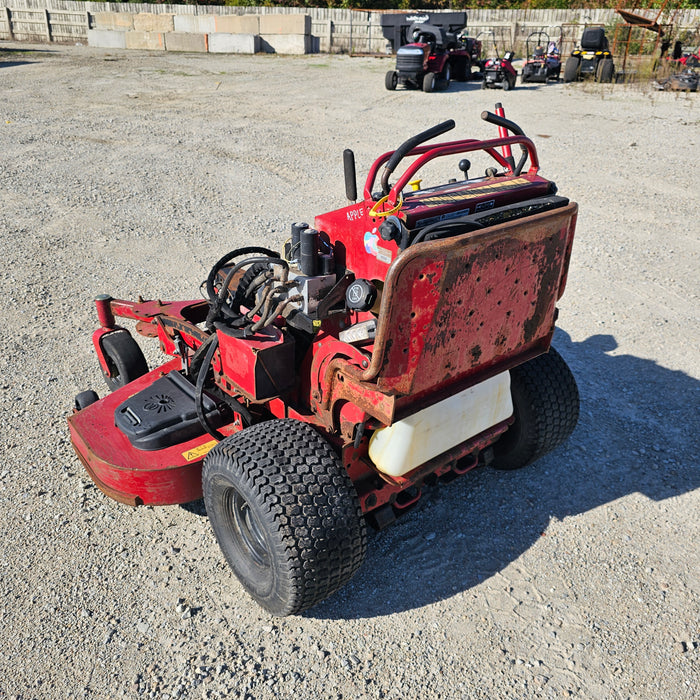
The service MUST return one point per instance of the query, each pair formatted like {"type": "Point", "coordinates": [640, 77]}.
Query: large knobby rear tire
{"type": "Point", "coordinates": [124, 358]}
{"type": "Point", "coordinates": [571, 69]}
{"type": "Point", "coordinates": [546, 408]}
{"type": "Point", "coordinates": [285, 514]}
{"type": "Point", "coordinates": [605, 71]}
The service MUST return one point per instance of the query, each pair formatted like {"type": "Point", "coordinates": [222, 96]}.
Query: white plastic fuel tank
{"type": "Point", "coordinates": [408, 443]}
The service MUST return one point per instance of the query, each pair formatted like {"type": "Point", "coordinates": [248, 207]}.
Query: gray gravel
{"type": "Point", "coordinates": [131, 173]}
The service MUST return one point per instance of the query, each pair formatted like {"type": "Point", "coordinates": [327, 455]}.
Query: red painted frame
{"type": "Point", "coordinates": [453, 313]}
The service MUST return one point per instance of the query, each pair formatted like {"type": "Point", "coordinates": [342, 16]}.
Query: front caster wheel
{"type": "Point", "coordinates": [124, 358]}
{"type": "Point", "coordinates": [285, 514]}
{"type": "Point", "coordinates": [429, 82]}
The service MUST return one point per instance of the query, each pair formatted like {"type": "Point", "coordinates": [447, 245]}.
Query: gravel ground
{"type": "Point", "coordinates": [131, 173]}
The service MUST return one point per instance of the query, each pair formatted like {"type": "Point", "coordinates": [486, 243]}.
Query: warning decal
{"type": "Point", "coordinates": [199, 452]}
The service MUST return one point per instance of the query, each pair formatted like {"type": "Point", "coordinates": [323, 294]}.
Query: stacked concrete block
{"type": "Point", "coordinates": [195, 24]}
{"type": "Point", "coordinates": [106, 39]}
{"type": "Point", "coordinates": [190, 42]}
{"type": "Point", "coordinates": [285, 24]}
{"type": "Point", "coordinates": [150, 22]}
{"type": "Point", "coordinates": [222, 42]}
{"type": "Point", "coordinates": [237, 24]}
{"type": "Point", "coordinates": [286, 34]}
{"type": "Point", "coordinates": [114, 21]}
{"type": "Point", "coordinates": [145, 41]}
{"type": "Point", "coordinates": [238, 34]}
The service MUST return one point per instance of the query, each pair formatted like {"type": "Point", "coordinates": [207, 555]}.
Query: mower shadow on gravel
{"type": "Point", "coordinates": [637, 434]}
{"type": "Point", "coordinates": [7, 53]}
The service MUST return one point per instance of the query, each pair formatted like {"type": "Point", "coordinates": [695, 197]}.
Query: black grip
{"type": "Point", "coordinates": [492, 118]}
{"type": "Point", "coordinates": [350, 177]}
{"type": "Point", "coordinates": [407, 146]}
{"type": "Point", "coordinates": [414, 141]}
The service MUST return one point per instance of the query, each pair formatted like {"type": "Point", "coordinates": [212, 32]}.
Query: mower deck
{"type": "Point", "coordinates": [127, 474]}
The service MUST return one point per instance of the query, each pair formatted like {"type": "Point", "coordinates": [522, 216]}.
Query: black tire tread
{"type": "Point", "coordinates": [124, 355]}
{"type": "Point", "coordinates": [310, 504]}
{"type": "Point", "coordinates": [545, 391]}
{"type": "Point", "coordinates": [571, 68]}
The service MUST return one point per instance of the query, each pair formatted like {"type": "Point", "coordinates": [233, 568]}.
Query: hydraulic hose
{"type": "Point", "coordinates": [199, 388]}
{"type": "Point", "coordinates": [249, 250]}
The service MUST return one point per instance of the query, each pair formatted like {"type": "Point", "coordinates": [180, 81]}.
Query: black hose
{"type": "Point", "coordinates": [199, 388]}
{"type": "Point", "coordinates": [249, 250]}
{"type": "Point", "coordinates": [217, 304]}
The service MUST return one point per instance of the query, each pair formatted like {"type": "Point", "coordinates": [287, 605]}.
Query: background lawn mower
{"type": "Point", "coordinates": [498, 72]}
{"type": "Point", "coordinates": [401, 340]}
{"type": "Point", "coordinates": [591, 59]}
{"type": "Point", "coordinates": [543, 58]}
{"type": "Point", "coordinates": [432, 59]}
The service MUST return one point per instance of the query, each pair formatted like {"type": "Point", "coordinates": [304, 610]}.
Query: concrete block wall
{"type": "Point", "coordinates": [145, 41]}
{"type": "Point", "coordinates": [237, 24]}
{"type": "Point", "coordinates": [222, 42]}
{"type": "Point", "coordinates": [190, 42]}
{"type": "Point", "coordinates": [238, 34]}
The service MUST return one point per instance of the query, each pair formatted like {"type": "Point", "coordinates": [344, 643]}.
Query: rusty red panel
{"type": "Point", "coordinates": [471, 304]}
{"type": "Point", "coordinates": [259, 366]}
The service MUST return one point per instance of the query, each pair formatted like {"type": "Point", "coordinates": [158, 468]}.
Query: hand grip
{"type": "Point", "coordinates": [407, 146]}
{"type": "Point", "coordinates": [492, 118]}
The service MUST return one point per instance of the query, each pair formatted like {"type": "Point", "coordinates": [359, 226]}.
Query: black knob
{"type": "Point", "coordinates": [361, 295]}
{"type": "Point", "coordinates": [464, 166]}
{"type": "Point", "coordinates": [390, 230]}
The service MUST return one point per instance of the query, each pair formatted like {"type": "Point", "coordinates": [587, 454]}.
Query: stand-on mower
{"type": "Point", "coordinates": [402, 340]}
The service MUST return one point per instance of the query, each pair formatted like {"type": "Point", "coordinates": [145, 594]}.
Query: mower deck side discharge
{"type": "Point", "coordinates": [127, 474]}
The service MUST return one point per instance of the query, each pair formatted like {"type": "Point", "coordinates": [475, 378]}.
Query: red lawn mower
{"type": "Point", "coordinates": [402, 340]}
{"type": "Point", "coordinates": [499, 71]}
{"type": "Point", "coordinates": [432, 59]}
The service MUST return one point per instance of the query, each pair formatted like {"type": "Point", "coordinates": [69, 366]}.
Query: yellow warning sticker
{"type": "Point", "coordinates": [199, 452]}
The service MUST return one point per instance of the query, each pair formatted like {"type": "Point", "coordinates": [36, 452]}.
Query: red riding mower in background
{"type": "Point", "coordinates": [498, 72]}
{"type": "Point", "coordinates": [402, 340]}
{"type": "Point", "coordinates": [433, 59]}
